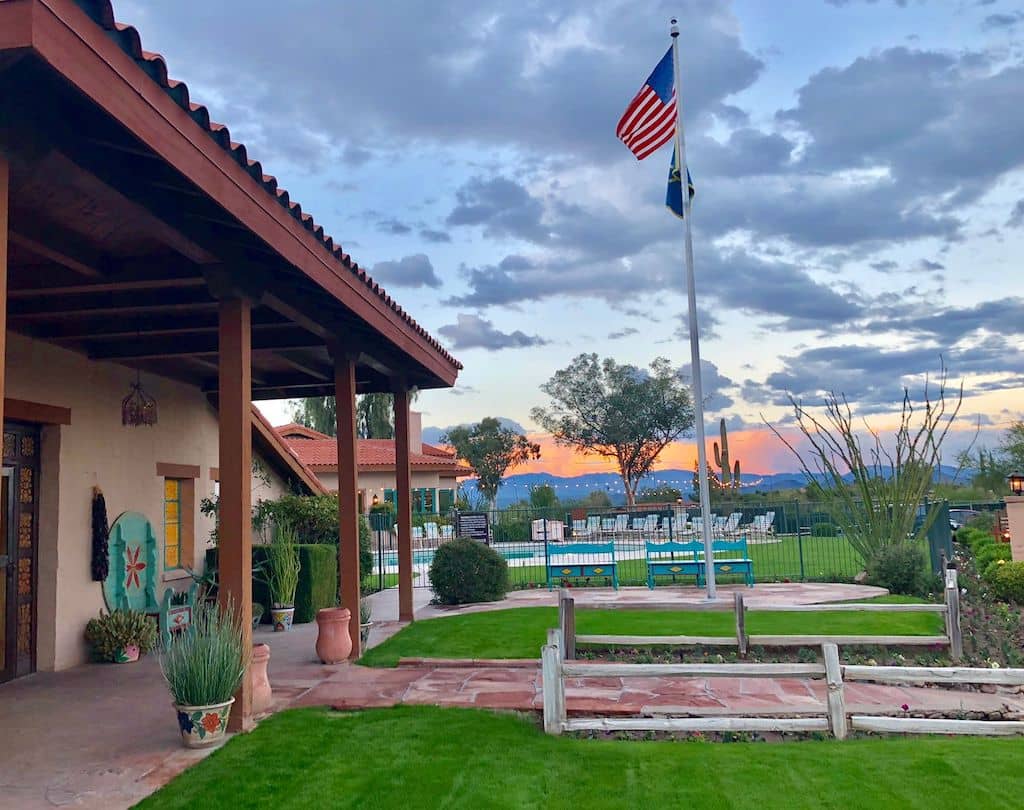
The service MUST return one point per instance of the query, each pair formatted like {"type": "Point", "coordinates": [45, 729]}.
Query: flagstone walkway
{"type": "Point", "coordinates": [516, 685]}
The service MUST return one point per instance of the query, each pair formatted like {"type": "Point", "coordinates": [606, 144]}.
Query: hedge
{"type": "Point", "coordinates": [318, 580]}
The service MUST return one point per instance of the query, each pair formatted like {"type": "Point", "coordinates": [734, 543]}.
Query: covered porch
{"type": "Point", "coordinates": [135, 234]}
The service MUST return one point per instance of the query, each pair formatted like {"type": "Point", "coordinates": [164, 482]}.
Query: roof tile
{"type": "Point", "coordinates": [154, 65]}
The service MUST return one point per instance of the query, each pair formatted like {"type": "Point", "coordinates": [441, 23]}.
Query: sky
{"type": "Point", "coordinates": [859, 165]}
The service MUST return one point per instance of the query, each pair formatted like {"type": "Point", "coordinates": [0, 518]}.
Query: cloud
{"type": "Point", "coordinates": [623, 333]}
{"type": "Point", "coordinates": [433, 434]}
{"type": "Point", "coordinates": [1002, 21]}
{"type": "Point", "coordinates": [503, 207]}
{"type": "Point", "coordinates": [1016, 219]}
{"type": "Point", "coordinates": [409, 271]}
{"type": "Point", "coordinates": [394, 227]}
{"type": "Point", "coordinates": [431, 235]}
{"type": "Point", "coordinates": [475, 332]}
{"type": "Point", "coordinates": [713, 384]}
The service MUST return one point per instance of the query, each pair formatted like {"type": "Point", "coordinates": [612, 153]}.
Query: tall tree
{"type": "Point", "coordinates": [375, 416]}
{"type": "Point", "coordinates": [617, 411]}
{"type": "Point", "coordinates": [491, 450]}
{"type": "Point", "coordinates": [318, 413]}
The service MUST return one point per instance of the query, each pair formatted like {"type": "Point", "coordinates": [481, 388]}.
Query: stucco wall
{"type": "Point", "coordinates": [96, 450]}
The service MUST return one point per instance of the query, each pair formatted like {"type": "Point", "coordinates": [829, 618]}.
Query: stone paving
{"type": "Point", "coordinates": [496, 685]}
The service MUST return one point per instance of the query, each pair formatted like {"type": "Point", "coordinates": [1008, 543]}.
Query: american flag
{"type": "Point", "coordinates": [649, 121]}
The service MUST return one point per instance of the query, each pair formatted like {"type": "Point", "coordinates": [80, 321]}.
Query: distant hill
{"type": "Point", "coordinates": [517, 487]}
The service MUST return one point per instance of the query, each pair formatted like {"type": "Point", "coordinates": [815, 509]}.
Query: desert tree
{"type": "Point", "coordinates": [620, 412]}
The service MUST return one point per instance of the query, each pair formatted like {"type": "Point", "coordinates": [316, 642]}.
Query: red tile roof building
{"type": "Point", "coordinates": [435, 471]}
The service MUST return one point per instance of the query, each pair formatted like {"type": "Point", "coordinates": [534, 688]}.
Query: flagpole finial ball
{"type": "Point", "coordinates": [674, 30]}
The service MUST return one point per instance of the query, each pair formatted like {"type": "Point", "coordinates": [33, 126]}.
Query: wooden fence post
{"type": "Point", "coordinates": [567, 623]}
{"type": "Point", "coordinates": [552, 686]}
{"type": "Point", "coordinates": [956, 642]}
{"type": "Point", "coordinates": [741, 624]}
{"type": "Point", "coordinates": [836, 700]}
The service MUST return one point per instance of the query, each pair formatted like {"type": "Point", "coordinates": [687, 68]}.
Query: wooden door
{"type": "Point", "coordinates": [19, 516]}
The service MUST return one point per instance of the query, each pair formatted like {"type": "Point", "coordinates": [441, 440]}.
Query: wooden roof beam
{"type": "Point", "coordinates": [58, 249]}
{"type": "Point", "coordinates": [146, 348]}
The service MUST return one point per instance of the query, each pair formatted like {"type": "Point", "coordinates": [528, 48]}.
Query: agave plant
{"type": "Point", "coordinates": [204, 665]}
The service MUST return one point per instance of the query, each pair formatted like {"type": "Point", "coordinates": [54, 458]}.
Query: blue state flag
{"type": "Point", "coordinates": [674, 192]}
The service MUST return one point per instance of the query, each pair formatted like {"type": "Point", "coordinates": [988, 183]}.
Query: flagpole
{"type": "Point", "coordinates": [691, 292]}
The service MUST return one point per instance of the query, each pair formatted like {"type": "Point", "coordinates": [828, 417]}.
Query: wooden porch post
{"type": "Point", "coordinates": [4, 206]}
{"type": "Point", "coordinates": [403, 484]}
{"type": "Point", "coordinates": [235, 515]}
{"type": "Point", "coordinates": [348, 507]}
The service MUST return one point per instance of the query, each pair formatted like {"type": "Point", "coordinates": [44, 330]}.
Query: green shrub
{"type": "Point", "coordinates": [318, 581]}
{"type": "Point", "coordinates": [1007, 581]}
{"type": "Point", "coordinates": [899, 567]}
{"type": "Point", "coordinates": [109, 634]}
{"type": "Point", "coordinates": [971, 536]}
{"type": "Point", "coordinates": [823, 530]}
{"type": "Point", "coordinates": [989, 553]}
{"type": "Point", "coordinates": [465, 570]}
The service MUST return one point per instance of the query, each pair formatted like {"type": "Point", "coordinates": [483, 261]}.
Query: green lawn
{"type": "Point", "coordinates": [824, 558]}
{"type": "Point", "coordinates": [459, 758]}
{"type": "Point", "coordinates": [520, 632]}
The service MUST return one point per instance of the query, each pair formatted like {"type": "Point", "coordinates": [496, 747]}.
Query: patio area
{"type": "Point", "coordinates": [101, 735]}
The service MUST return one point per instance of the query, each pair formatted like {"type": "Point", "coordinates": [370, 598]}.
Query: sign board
{"type": "Point", "coordinates": [475, 525]}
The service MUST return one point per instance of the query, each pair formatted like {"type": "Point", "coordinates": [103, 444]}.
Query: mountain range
{"type": "Point", "coordinates": [517, 487]}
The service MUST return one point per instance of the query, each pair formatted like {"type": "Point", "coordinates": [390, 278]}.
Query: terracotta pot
{"type": "Point", "coordinates": [282, 618]}
{"type": "Point", "coordinates": [262, 695]}
{"type": "Point", "coordinates": [202, 726]}
{"type": "Point", "coordinates": [127, 654]}
{"type": "Point", "coordinates": [333, 643]}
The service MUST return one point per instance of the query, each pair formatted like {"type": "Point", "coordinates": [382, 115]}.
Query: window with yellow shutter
{"type": "Point", "coordinates": [172, 523]}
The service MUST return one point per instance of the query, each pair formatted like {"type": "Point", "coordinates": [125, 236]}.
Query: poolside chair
{"type": "Point", "coordinates": [593, 524]}
{"type": "Point", "coordinates": [417, 532]}
{"type": "Point", "coordinates": [769, 522]}
{"type": "Point", "coordinates": [621, 523]}
{"type": "Point", "coordinates": [579, 528]}
{"type": "Point", "coordinates": [718, 524]}
{"type": "Point", "coordinates": [697, 522]}
{"type": "Point", "coordinates": [447, 532]}
{"type": "Point", "coordinates": [638, 524]}
{"type": "Point", "coordinates": [732, 524]}
{"type": "Point", "coordinates": [607, 525]}
{"type": "Point", "coordinates": [431, 532]}
{"type": "Point", "coordinates": [651, 525]}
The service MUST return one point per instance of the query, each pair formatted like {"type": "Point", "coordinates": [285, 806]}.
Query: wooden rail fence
{"type": "Point", "coordinates": [742, 640]}
{"type": "Point", "coordinates": [556, 668]}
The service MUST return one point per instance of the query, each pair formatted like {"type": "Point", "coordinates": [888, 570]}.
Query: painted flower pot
{"type": "Point", "coordinates": [203, 726]}
{"type": "Point", "coordinates": [333, 642]}
{"type": "Point", "coordinates": [127, 654]}
{"type": "Point", "coordinates": [262, 695]}
{"type": "Point", "coordinates": [282, 618]}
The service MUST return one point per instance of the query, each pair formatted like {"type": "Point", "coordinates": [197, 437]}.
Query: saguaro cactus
{"type": "Point", "coordinates": [730, 477]}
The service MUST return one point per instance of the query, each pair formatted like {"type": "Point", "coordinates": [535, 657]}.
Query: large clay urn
{"type": "Point", "coordinates": [262, 696]}
{"type": "Point", "coordinates": [333, 643]}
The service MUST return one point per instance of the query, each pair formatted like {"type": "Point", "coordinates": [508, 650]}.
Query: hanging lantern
{"type": "Point", "coordinates": [138, 408]}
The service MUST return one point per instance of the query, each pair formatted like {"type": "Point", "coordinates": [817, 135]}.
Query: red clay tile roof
{"type": "Point", "coordinates": [322, 454]}
{"type": "Point", "coordinates": [293, 430]}
{"type": "Point", "coordinates": [153, 64]}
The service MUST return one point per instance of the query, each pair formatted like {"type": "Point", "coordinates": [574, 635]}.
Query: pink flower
{"type": "Point", "coordinates": [905, 707]}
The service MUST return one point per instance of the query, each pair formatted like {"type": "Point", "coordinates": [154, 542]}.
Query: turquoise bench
{"type": "Point", "coordinates": [564, 570]}
{"type": "Point", "coordinates": [731, 557]}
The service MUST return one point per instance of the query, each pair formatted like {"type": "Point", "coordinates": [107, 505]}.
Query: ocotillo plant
{"type": "Point", "coordinates": [730, 477]}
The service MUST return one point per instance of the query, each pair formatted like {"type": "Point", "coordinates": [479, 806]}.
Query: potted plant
{"type": "Point", "coordinates": [365, 621]}
{"type": "Point", "coordinates": [121, 636]}
{"type": "Point", "coordinates": [204, 667]}
{"type": "Point", "coordinates": [282, 576]}
{"type": "Point", "coordinates": [257, 614]}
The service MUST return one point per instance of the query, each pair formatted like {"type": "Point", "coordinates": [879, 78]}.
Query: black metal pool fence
{"type": "Point", "coordinates": [787, 541]}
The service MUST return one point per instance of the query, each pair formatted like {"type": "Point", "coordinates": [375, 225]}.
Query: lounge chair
{"type": "Point", "coordinates": [447, 532]}
{"type": "Point", "coordinates": [651, 525]}
{"type": "Point", "coordinates": [431, 532]}
{"type": "Point", "coordinates": [621, 523]}
{"type": "Point", "coordinates": [579, 529]}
